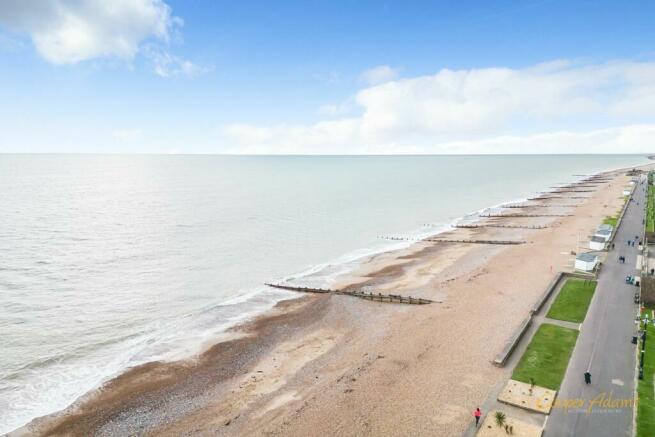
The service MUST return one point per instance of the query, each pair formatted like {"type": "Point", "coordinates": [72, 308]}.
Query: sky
{"type": "Point", "coordinates": [327, 77]}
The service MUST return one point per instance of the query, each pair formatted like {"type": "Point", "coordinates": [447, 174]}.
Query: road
{"type": "Point", "coordinates": [604, 345]}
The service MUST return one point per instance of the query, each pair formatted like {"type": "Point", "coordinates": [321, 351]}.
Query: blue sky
{"type": "Point", "coordinates": [326, 76]}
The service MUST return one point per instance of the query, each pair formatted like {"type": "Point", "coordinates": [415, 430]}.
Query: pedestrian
{"type": "Point", "coordinates": [587, 377]}
{"type": "Point", "coordinates": [477, 415]}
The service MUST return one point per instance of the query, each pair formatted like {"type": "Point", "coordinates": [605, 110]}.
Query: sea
{"type": "Point", "coordinates": [111, 261]}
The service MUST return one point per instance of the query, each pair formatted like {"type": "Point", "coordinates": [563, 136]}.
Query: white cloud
{"type": "Point", "coordinates": [337, 109]}
{"type": "Point", "coordinates": [70, 31]}
{"type": "Point", "coordinates": [166, 64]}
{"type": "Point", "coordinates": [461, 109]}
{"type": "Point", "coordinates": [379, 74]}
{"type": "Point", "coordinates": [622, 139]}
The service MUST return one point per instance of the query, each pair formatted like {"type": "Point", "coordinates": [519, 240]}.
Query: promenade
{"type": "Point", "coordinates": [604, 345]}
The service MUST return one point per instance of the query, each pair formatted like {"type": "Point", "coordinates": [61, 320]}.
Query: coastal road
{"type": "Point", "coordinates": [604, 345]}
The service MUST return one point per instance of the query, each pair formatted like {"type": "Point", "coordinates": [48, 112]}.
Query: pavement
{"type": "Point", "coordinates": [604, 345]}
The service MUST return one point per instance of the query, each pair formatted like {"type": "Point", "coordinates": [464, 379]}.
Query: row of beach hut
{"type": "Point", "coordinates": [587, 262]}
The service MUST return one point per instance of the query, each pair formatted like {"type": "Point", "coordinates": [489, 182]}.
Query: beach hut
{"type": "Point", "coordinates": [586, 262]}
{"type": "Point", "coordinates": [605, 234]}
{"type": "Point", "coordinates": [597, 243]}
{"type": "Point", "coordinates": [627, 191]}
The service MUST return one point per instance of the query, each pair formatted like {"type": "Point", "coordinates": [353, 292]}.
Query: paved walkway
{"type": "Point", "coordinates": [604, 345]}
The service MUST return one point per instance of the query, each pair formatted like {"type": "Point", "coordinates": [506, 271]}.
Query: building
{"type": "Point", "coordinates": [627, 191]}
{"type": "Point", "coordinates": [597, 243]}
{"type": "Point", "coordinates": [604, 234]}
{"type": "Point", "coordinates": [586, 262]}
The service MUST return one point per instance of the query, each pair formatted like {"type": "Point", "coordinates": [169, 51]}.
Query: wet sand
{"type": "Point", "coordinates": [337, 365]}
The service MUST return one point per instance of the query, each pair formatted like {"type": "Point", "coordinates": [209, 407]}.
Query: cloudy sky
{"type": "Point", "coordinates": [327, 76]}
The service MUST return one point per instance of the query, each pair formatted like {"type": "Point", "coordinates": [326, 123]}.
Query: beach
{"type": "Point", "coordinates": [338, 365]}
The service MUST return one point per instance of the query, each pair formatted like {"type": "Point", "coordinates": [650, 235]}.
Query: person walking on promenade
{"type": "Point", "coordinates": [477, 413]}
{"type": "Point", "coordinates": [587, 377]}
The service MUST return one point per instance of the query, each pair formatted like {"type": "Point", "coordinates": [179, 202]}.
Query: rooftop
{"type": "Point", "coordinates": [587, 257]}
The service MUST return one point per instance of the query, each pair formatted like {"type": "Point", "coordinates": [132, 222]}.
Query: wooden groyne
{"type": "Point", "coordinates": [453, 240]}
{"type": "Point", "coordinates": [389, 298]}
{"type": "Point", "coordinates": [523, 215]}
{"type": "Point", "coordinates": [584, 185]}
{"type": "Point", "coordinates": [491, 225]}
{"type": "Point", "coordinates": [302, 289]}
{"type": "Point", "coordinates": [541, 206]}
{"type": "Point", "coordinates": [378, 297]}
{"type": "Point", "coordinates": [449, 240]}
{"type": "Point", "coordinates": [558, 197]}
{"type": "Point", "coordinates": [548, 195]}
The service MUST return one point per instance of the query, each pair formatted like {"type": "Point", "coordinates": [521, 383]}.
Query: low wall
{"type": "Point", "coordinates": [514, 340]}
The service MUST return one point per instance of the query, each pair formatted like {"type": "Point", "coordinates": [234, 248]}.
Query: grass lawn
{"type": "Point", "coordinates": [547, 356]}
{"type": "Point", "coordinates": [611, 221]}
{"type": "Point", "coordinates": [573, 300]}
{"type": "Point", "coordinates": [646, 405]}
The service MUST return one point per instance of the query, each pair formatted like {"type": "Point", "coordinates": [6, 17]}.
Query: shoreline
{"type": "Point", "coordinates": [323, 323]}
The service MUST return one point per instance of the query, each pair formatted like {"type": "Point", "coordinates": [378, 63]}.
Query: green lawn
{"type": "Point", "coordinates": [646, 404]}
{"type": "Point", "coordinates": [611, 221]}
{"type": "Point", "coordinates": [573, 300]}
{"type": "Point", "coordinates": [547, 356]}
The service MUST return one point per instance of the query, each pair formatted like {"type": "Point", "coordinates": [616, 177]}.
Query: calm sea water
{"type": "Point", "coordinates": [111, 261]}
